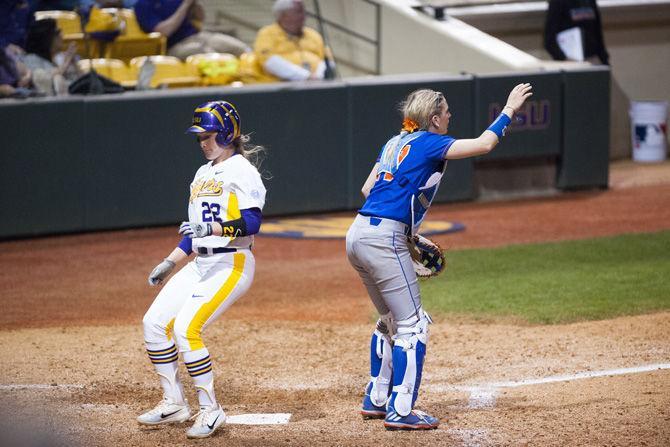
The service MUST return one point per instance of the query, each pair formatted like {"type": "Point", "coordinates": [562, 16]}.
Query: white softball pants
{"type": "Point", "coordinates": [197, 295]}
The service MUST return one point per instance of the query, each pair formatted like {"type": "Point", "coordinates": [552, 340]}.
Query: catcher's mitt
{"type": "Point", "coordinates": [427, 256]}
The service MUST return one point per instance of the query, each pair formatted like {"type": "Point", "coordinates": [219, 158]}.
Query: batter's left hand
{"type": "Point", "coordinates": [195, 229]}
{"type": "Point", "coordinates": [160, 272]}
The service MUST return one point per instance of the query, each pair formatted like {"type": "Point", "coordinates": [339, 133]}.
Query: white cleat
{"type": "Point", "coordinates": [166, 412]}
{"type": "Point", "coordinates": [206, 422]}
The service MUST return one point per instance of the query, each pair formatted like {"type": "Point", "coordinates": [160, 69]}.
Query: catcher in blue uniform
{"type": "Point", "coordinates": [380, 242]}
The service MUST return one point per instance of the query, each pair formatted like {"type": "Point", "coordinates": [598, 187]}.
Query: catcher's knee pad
{"type": "Point", "coordinates": [409, 351]}
{"type": "Point", "coordinates": [408, 331]}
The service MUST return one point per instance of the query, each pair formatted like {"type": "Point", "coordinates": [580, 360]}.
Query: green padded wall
{"type": "Point", "coordinates": [118, 161]}
{"type": "Point", "coordinates": [536, 130]}
{"type": "Point", "coordinates": [584, 162]}
{"type": "Point", "coordinates": [42, 186]}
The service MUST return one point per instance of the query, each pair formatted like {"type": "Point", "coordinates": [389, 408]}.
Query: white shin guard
{"type": "Point", "coordinates": [409, 351]}
{"type": "Point", "coordinates": [381, 370]}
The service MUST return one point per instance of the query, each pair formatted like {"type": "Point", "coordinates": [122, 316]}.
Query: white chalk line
{"type": "Point", "coordinates": [582, 375]}
{"type": "Point", "coordinates": [37, 386]}
{"type": "Point", "coordinates": [484, 396]}
{"type": "Point", "coordinates": [471, 437]}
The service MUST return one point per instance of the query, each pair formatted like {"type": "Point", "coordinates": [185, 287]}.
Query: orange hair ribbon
{"type": "Point", "coordinates": [409, 125]}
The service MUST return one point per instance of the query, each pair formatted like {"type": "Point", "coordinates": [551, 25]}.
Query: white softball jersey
{"type": "Point", "coordinates": [219, 192]}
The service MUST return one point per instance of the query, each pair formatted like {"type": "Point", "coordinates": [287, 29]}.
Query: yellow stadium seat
{"type": "Point", "coordinates": [251, 72]}
{"type": "Point", "coordinates": [133, 42]}
{"type": "Point", "coordinates": [114, 69]}
{"type": "Point", "coordinates": [69, 23]}
{"type": "Point", "coordinates": [170, 71]}
{"type": "Point", "coordinates": [214, 68]}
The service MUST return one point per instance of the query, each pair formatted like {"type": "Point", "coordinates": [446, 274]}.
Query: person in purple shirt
{"type": "Point", "coordinates": [175, 20]}
{"type": "Point", "coordinates": [15, 18]}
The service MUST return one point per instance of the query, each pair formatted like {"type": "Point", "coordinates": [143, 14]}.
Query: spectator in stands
{"type": "Point", "coordinates": [15, 17]}
{"type": "Point", "coordinates": [177, 20]}
{"type": "Point", "coordinates": [582, 15]}
{"type": "Point", "coordinates": [15, 78]}
{"type": "Point", "coordinates": [53, 70]}
{"type": "Point", "coordinates": [287, 49]}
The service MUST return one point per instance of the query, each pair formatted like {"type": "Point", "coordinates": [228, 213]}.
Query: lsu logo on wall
{"type": "Point", "coordinates": [207, 188]}
{"type": "Point", "coordinates": [534, 115]}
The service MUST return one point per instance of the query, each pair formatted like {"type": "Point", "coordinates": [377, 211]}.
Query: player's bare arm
{"type": "Point", "coordinates": [370, 181]}
{"type": "Point", "coordinates": [177, 255]}
{"type": "Point", "coordinates": [489, 138]}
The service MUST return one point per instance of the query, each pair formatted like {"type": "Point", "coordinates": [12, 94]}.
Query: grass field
{"type": "Point", "coordinates": [556, 282]}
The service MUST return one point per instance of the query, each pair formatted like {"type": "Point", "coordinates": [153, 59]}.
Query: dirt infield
{"type": "Point", "coordinates": [74, 369]}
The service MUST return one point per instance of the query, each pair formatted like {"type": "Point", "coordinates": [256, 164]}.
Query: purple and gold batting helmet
{"type": "Point", "coordinates": [217, 116]}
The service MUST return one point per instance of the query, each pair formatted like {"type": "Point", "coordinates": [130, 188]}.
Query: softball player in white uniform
{"type": "Point", "coordinates": [225, 203]}
{"type": "Point", "coordinates": [399, 191]}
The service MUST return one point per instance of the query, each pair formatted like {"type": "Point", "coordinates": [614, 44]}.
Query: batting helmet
{"type": "Point", "coordinates": [217, 116]}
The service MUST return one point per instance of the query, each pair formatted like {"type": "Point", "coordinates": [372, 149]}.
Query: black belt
{"type": "Point", "coordinates": [215, 250]}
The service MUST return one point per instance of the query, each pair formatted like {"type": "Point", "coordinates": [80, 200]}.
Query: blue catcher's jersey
{"type": "Point", "coordinates": [410, 170]}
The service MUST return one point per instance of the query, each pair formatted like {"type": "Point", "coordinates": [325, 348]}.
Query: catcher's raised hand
{"type": "Point", "coordinates": [518, 96]}
{"type": "Point", "coordinates": [195, 229]}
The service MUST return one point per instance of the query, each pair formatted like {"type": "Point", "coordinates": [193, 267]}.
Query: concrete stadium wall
{"type": "Point", "coordinates": [409, 41]}
{"type": "Point", "coordinates": [119, 161]}
{"type": "Point", "coordinates": [413, 42]}
{"type": "Point", "coordinates": [637, 36]}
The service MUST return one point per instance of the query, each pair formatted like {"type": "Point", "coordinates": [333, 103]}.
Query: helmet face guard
{"type": "Point", "coordinates": [217, 116]}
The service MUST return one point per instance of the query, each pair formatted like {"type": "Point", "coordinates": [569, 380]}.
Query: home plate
{"type": "Point", "coordinates": [259, 419]}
